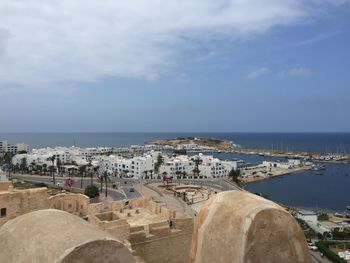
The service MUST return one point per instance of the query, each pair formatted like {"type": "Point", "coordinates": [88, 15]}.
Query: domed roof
{"type": "Point", "coordinates": [54, 236]}
{"type": "Point", "coordinates": [237, 226]}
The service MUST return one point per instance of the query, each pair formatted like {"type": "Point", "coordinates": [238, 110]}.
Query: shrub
{"type": "Point", "coordinates": [91, 191]}
{"type": "Point", "coordinates": [323, 246]}
{"type": "Point", "coordinates": [323, 216]}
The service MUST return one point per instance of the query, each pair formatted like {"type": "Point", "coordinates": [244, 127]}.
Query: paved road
{"type": "Point", "coordinates": [128, 184]}
{"type": "Point", "coordinates": [86, 181]}
{"type": "Point", "coordinates": [316, 257]}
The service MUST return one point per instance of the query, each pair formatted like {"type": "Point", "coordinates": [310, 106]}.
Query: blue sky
{"type": "Point", "coordinates": [280, 66]}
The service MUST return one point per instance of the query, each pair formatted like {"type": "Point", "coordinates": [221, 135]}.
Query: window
{"type": "Point", "coordinates": [3, 212]}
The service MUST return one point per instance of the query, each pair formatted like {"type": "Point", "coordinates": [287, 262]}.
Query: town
{"type": "Point", "coordinates": [181, 177]}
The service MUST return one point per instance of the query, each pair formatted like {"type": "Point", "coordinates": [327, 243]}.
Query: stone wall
{"type": "Point", "coordinates": [18, 202]}
{"type": "Point", "coordinates": [77, 204]}
{"type": "Point", "coordinates": [172, 248]}
{"type": "Point", "coordinates": [5, 185]}
{"type": "Point", "coordinates": [95, 208]}
{"type": "Point", "coordinates": [109, 222]}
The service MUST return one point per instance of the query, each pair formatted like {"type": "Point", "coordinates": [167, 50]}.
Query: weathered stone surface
{"type": "Point", "coordinates": [18, 202]}
{"type": "Point", "coordinates": [240, 227]}
{"type": "Point", "coordinates": [56, 236]}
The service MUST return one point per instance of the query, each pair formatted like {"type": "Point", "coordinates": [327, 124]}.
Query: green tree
{"type": "Point", "coordinates": [235, 176]}
{"type": "Point", "coordinates": [39, 168]}
{"type": "Point", "coordinates": [23, 165]}
{"type": "Point", "coordinates": [105, 175]}
{"type": "Point", "coordinates": [91, 191]}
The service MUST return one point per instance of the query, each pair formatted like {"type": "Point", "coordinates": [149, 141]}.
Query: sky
{"type": "Point", "coordinates": [175, 66]}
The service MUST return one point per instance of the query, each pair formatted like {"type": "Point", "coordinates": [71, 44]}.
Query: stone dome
{"type": "Point", "coordinates": [239, 227]}
{"type": "Point", "coordinates": [57, 236]}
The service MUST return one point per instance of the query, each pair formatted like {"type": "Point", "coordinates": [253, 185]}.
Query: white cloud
{"type": "Point", "coordinates": [258, 73]}
{"type": "Point", "coordinates": [300, 72]}
{"type": "Point", "coordinates": [60, 42]}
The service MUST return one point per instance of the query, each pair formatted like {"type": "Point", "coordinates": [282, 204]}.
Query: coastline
{"type": "Point", "coordinates": [276, 173]}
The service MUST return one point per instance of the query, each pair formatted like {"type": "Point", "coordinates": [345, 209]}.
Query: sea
{"type": "Point", "coordinates": [329, 191]}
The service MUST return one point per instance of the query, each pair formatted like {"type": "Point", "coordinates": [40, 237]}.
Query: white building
{"type": "Point", "coordinates": [115, 165]}
{"type": "Point", "coordinates": [179, 166]}
{"type": "Point", "coordinates": [3, 176]}
{"type": "Point", "coordinates": [209, 167]}
{"type": "Point", "coordinates": [139, 166]}
{"type": "Point", "coordinates": [3, 147]}
{"type": "Point", "coordinates": [307, 216]}
{"type": "Point", "coordinates": [13, 148]}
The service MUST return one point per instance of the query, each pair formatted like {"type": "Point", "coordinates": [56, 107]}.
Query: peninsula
{"type": "Point", "coordinates": [214, 143]}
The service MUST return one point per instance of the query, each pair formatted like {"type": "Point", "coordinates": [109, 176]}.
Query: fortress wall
{"type": "Point", "coordinates": [19, 202]}
{"type": "Point", "coordinates": [116, 205]}
{"type": "Point", "coordinates": [173, 248]}
{"type": "Point", "coordinates": [95, 208]}
{"type": "Point", "coordinates": [72, 203]}
{"type": "Point", "coordinates": [166, 213]}
{"type": "Point", "coordinates": [185, 224]}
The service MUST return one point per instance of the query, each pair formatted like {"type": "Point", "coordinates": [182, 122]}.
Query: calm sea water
{"type": "Point", "coordinates": [330, 191]}
{"type": "Point", "coordinates": [321, 142]}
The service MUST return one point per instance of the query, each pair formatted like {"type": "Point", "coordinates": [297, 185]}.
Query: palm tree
{"type": "Point", "coordinates": [58, 164]}
{"type": "Point", "coordinates": [164, 174]}
{"type": "Point", "coordinates": [8, 161]}
{"type": "Point", "coordinates": [105, 178]}
{"type": "Point", "coordinates": [39, 168]}
{"type": "Point", "coordinates": [145, 172]}
{"type": "Point", "coordinates": [178, 174]}
{"type": "Point", "coordinates": [196, 170]}
{"type": "Point", "coordinates": [100, 180]}
{"type": "Point", "coordinates": [45, 168]}
{"type": "Point", "coordinates": [23, 164]}
{"type": "Point", "coordinates": [82, 171]}
{"type": "Point", "coordinates": [52, 159]}
{"type": "Point", "coordinates": [91, 173]}
{"type": "Point", "coordinates": [33, 167]}
{"type": "Point", "coordinates": [151, 172]}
